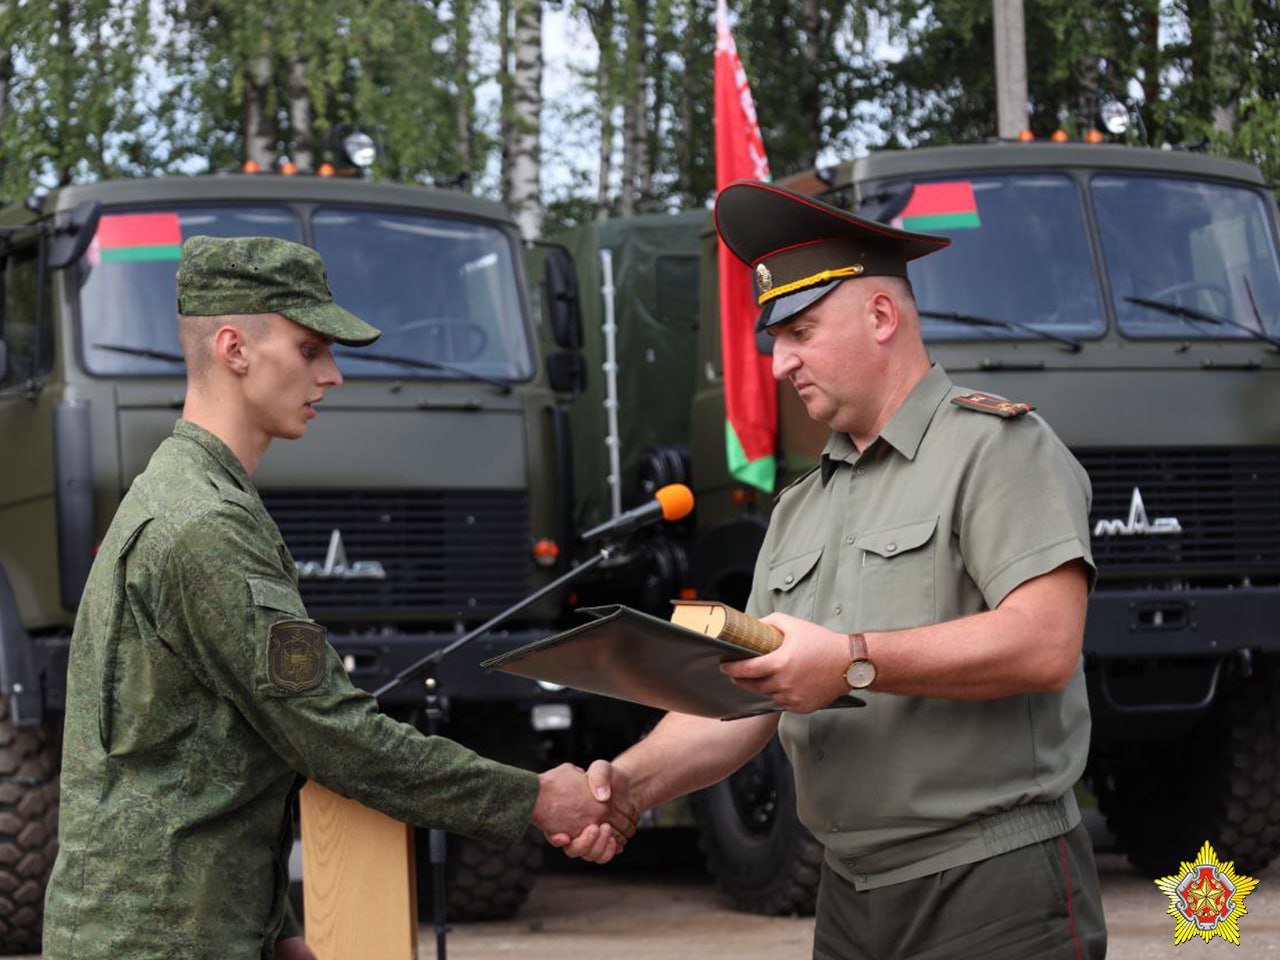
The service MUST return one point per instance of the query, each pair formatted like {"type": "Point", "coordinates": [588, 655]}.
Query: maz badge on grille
{"type": "Point", "coordinates": [336, 567]}
{"type": "Point", "coordinates": [1137, 523]}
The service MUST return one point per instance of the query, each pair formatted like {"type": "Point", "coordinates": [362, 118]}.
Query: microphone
{"type": "Point", "coordinates": [672, 502]}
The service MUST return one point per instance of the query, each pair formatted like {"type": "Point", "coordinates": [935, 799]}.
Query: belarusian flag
{"type": "Point", "coordinates": [941, 206]}
{"type": "Point", "coordinates": [133, 237]}
{"type": "Point", "coordinates": [750, 393]}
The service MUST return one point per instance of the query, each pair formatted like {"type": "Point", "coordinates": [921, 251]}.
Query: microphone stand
{"type": "Point", "coordinates": [434, 708]}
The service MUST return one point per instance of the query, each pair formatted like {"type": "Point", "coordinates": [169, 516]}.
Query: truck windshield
{"type": "Point", "coordinates": [1019, 255]}
{"type": "Point", "coordinates": [127, 293]}
{"type": "Point", "coordinates": [442, 291]}
{"type": "Point", "coordinates": [1188, 244]}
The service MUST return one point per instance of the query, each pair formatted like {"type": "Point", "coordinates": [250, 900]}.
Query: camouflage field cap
{"type": "Point", "coordinates": [801, 249]}
{"type": "Point", "coordinates": [228, 275]}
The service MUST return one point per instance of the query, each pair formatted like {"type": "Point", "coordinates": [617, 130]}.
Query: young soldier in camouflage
{"type": "Point", "coordinates": [199, 691]}
{"type": "Point", "coordinates": [936, 564]}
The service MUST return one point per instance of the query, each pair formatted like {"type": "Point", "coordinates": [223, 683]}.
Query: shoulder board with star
{"type": "Point", "coordinates": [984, 403]}
{"type": "Point", "coordinates": [778, 496]}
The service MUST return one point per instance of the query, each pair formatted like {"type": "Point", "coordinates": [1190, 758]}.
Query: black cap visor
{"type": "Point", "coordinates": [789, 305]}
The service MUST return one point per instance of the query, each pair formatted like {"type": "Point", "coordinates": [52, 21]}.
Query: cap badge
{"type": "Point", "coordinates": [764, 277]}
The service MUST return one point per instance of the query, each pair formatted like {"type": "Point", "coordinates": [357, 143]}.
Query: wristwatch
{"type": "Point", "coordinates": [861, 672]}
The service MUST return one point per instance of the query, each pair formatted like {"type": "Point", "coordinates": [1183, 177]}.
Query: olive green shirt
{"type": "Point", "coordinates": [198, 692]}
{"type": "Point", "coordinates": [945, 513]}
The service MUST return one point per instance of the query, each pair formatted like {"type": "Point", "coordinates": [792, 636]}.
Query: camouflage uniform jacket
{"type": "Point", "coordinates": [197, 693]}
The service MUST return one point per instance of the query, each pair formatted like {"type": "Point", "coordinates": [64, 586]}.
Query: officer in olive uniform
{"type": "Point", "coordinates": [936, 564]}
{"type": "Point", "coordinates": [198, 688]}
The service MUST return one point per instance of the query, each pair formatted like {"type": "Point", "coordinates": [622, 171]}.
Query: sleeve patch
{"type": "Point", "coordinates": [296, 655]}
{"type": "Point", "coordinates": [1007, 409]}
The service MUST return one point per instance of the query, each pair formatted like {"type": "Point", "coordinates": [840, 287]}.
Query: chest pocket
{"type": "Point", "coordinates": [896, 578]}
{"type": "Point", "coordinates": [793, 584]}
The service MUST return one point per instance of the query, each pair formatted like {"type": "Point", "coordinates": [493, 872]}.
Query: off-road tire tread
{"type": "Point", "coordinates": [28, 831]}
{"type": "Point", "coordinates": [783, 880]}
{"type": "Point", "coordinates": [1162, 805]}
{"type": "Point", "coordinates": [488, 882]}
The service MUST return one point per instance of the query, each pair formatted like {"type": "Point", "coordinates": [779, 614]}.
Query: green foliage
{"type": "Point", "coordinates": [105, 88]}
{"type": "Point", "coordinates": [76, 108]}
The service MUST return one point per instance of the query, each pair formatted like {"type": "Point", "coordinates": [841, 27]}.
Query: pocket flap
{"type": "Point", "coordinates": [897, 540]}
{"type": "Point", "coordinates": [788, 573]}
{"type": "Point", "coordinates": [277, 595]}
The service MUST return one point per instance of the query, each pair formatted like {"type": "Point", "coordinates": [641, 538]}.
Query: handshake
{"type": "Point", "coordinates": [590, 814]}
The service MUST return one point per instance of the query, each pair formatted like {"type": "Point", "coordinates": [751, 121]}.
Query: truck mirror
{"type": "Point", "coordinates": [563, 306]}
{"type": "Point", "coordinates": [72, 233]}
{"type": "Point", "coordinates": [567, 373]}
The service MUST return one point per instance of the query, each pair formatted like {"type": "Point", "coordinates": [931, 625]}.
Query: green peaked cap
{"type": "Point", "coordinates": [229, 275]}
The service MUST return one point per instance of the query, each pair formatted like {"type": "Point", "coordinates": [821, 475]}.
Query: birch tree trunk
{"type": "Point", "coordinates": [506, 106]}
{"type": "Point", "coordinates": [302, 152]}
{"type": "Point", "coordinates": [602, 25]}
{"type": "Point", "coordinates": [1226, 52]}
{"type": "Point", "coordinates": [525, 153]}
{"type": "Point", "coordinates": [637, 174]}
{"type": "Point", "coordinates": [465, 100]}
{"type": "Point", "coordinates": [6, 67]}
{"type": "Point", "coordinates": [260, 133]}
{"type": "Point", "coordinates": [810, 94]}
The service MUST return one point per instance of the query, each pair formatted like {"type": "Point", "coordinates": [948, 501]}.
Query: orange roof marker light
{"type": "Point", "coordinates": [325, 170]}
{"type": "Point", "coordinates": [545, 552]}
{"type": "Point", "coordinates": [288, 168]}
{"type": "Point", "coordinates": [1093, 136]}
{"type": "Point", "coordinates": [250, 166]}
{"type": "Point", "coordinates": [1026, 136]}
{"type": "Point", "coordinates": [1059, 136]}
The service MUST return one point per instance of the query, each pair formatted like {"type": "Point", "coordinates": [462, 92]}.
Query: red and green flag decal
{"type": "Point", "coordinates": [941, 206]}
{"type": "Point", "coordinates": [137, 237]}
{"type": "Point", "coordinates": [750, 393]}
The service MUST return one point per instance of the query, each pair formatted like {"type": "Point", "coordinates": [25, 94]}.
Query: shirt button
{"type": "Point", "coordinates": [862, 878]}
{"type": "Point", "coordinates": [839, 609]}
{"type": "Point", "coordinates": [861, 471]}
{"type": "Point", "coordinates": [790, 578]}
{"type": "Point", "coordinates": [848, 540]}
{"type": "Point", "coordinates": [890, 547]}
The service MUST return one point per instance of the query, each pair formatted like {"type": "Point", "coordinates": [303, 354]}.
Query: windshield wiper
{"type": "Point", "coordinates": [502, 385]}
{"type": "Point", "coordinates": [1191, 313]}
{"type": "Point", "coordinates": [140, 352]}
{"type": "Point", "coordinates": [970, 320]}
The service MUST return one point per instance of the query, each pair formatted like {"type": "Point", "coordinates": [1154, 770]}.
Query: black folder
{"type": "Point", "coordinates": [629, 655]}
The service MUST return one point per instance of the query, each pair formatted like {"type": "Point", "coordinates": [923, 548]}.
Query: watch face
{"type": "Point", "coordinates": [860, 674]}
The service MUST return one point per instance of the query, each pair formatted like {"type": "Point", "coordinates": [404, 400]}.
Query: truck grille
{"type": "Point", "coordinates": [1227, 502]}
{"type": "Point", "coordinates": [445, 552]}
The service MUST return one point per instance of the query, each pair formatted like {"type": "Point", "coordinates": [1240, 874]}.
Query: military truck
{"type": "Point", "coordinates": [425, 499]}
{"type": "Point", "coordinates": [1133, 297]}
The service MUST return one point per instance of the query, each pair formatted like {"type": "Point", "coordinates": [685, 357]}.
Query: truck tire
{"type": "Point", "coordinates": [488, 882]}
{"type": "Point", "coordinates": [1162, 810]}
{"type": "Point", "coordinates": [28, 830]}
{"type": "Point", "coordinates": [756, 849]}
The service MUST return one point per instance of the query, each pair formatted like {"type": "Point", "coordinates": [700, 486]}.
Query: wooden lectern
{"type": "Point", "coordinates": [359, 886]}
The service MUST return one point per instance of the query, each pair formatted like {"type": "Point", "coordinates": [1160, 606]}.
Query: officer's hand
{"type": "Point", "coordinates": [294, 948]}
{"type": "Point", "coordinates": [804, 674]}
{"type": "Point", "coordinates": [600, 844]}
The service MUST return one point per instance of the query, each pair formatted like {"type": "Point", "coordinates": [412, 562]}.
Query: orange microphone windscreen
{"type": "Point", "coordinates": [676, 500]}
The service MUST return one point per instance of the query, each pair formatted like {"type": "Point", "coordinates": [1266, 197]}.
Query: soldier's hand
{"type": "Point", "coordinates": [294, 948]}
{"type": "Point", "coordinates": [566, 806]}
{"type": "Point", "coordinates": [600, 844]}
{"type": "Point", "coordinates": [804, 674]}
